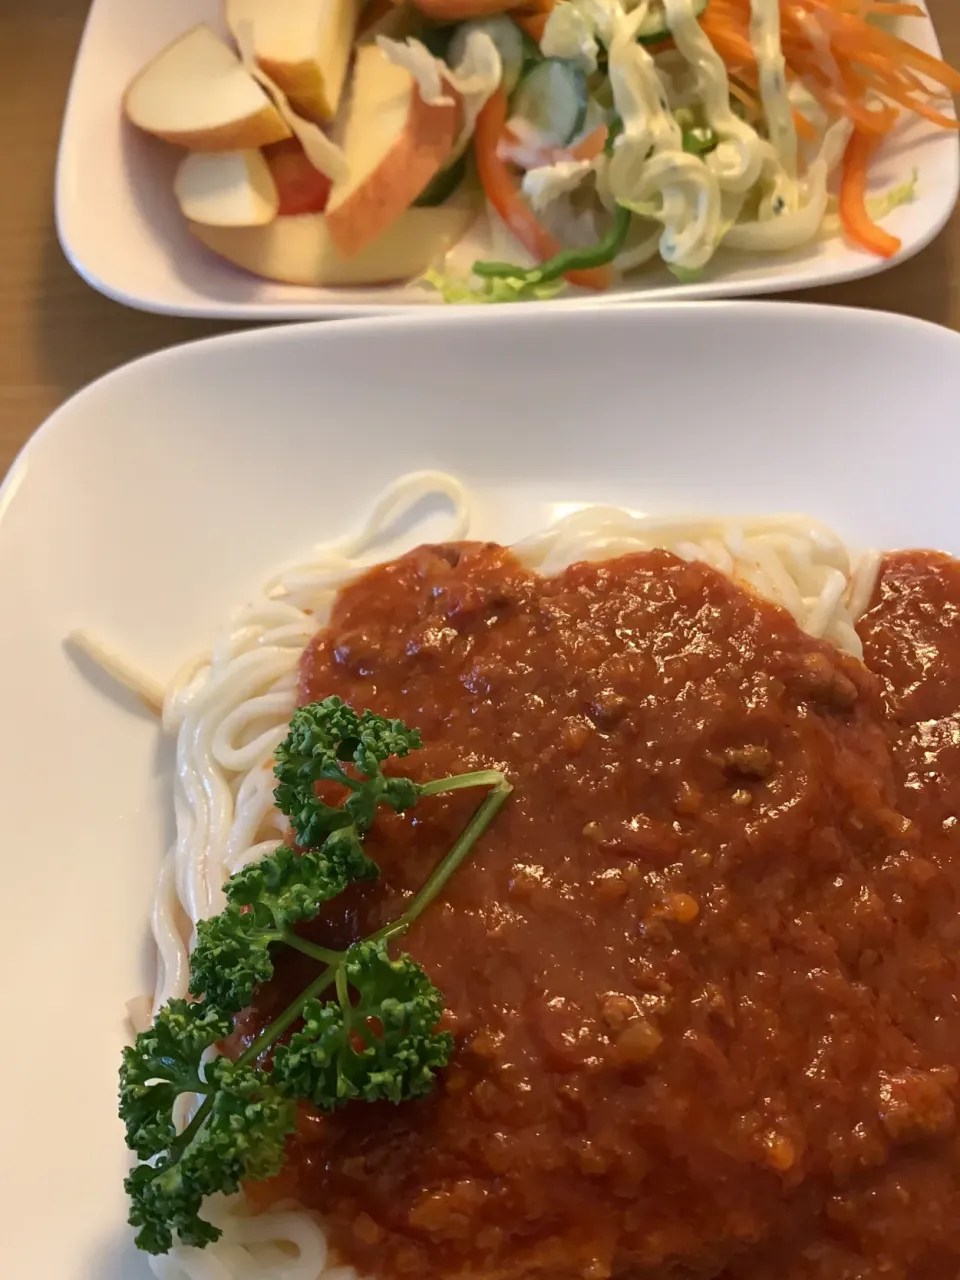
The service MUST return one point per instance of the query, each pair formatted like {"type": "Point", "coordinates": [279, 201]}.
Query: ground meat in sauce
{"type": "Point", "coordinates": [701, 971]}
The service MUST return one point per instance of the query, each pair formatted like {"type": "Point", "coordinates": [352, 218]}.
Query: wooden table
{"type": "Point", "coordinates": [56, 334]}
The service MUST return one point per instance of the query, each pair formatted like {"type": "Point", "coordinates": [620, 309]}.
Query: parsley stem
{"type": "Point", "coordinates": [444, 869]}
{"type": "Point", "coordinates": [441, 873]}
{"type": "Point", "coordinates": [252, 1052]}
{"type": "Point", "coordinates": [182, 1140]}
{"type": "Point", "coordinates": [323, 954]}
{"type": "Point", "coordinates": [290, 1014]}
{"type": "Point", "coordinates": [458, 781]}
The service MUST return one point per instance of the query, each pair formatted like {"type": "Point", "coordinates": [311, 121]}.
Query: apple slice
{"type": "Point", "coordinates": [197, 94]}
{"type": "Point", "coordinates": [388, 18]}
{"type": "Point", "coordinates": [302, 45]}
{"type": "Point", "coordinates": [394, 144]}
{"type": "Point", "coordinates": [301, 250]}
{"type": "Point", "coordinates": [227, 188]}
{"type": "Point", "coordinates": [320, 149]}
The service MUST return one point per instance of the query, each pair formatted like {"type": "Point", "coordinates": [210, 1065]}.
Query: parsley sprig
{"type": "Point", "coordinates": [375, 1039]}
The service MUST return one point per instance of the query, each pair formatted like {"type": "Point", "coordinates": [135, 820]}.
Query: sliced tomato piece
{"type": "Point", "coordinates": [301, 187]}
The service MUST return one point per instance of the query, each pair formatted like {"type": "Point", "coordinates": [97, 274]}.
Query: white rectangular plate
{"type": "Point", "coordinates": [155, 501]}
{"type": "Point", "coordinates": [120, 227]}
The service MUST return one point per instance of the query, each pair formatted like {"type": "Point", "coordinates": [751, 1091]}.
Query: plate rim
{"type": "Point", "coordinates": [859, 266]}
{"type": "Point", "coordinates": [842, 317]}
{"type": "Point", "coordinates": [52, 514]}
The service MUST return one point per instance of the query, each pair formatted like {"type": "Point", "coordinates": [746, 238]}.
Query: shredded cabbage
{"type": "Point", "coordinates": [476, 77]}
{"type": "Point", "coordinates": [322, 152]}
{"type": "Point", "coordinates": [547, 183]}
{"type": "Point", "coordinates": [800, 225]}
{"type": "Point", "coordinates": [571, 33]}
{"type": "Point", "coordinates": [742, 155]}
{"type": "Point", "coordinates": [686, 275]}
{"type": "Point", "coordinates": [878, 207]}
{"type": "Point", "coordinates": [643, 242]}
{"type": "Point", "coordinates": [687, 205]}
{"type": "Point", "coordinates": [467, 289]}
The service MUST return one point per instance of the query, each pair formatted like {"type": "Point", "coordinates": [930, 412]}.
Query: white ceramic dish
{"type": "Point", "coordinates": [121, 229]}
{"type": "Point", "coordinates": [151, 504]}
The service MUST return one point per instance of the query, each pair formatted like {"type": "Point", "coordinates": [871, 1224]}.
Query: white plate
{"type": "Point", "coordinates": [152, 503]}
{"type": "Point", "coordinates": [121, 229]}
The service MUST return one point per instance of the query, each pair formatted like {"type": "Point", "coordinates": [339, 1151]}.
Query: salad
{"type": "Point", "coordinates": [596, 135]}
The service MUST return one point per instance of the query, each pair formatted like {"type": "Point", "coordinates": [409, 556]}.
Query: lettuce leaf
{"type": "Point", "coordinates": [879, 206]}
{"type": "Point", "coordinates": [470, 289]}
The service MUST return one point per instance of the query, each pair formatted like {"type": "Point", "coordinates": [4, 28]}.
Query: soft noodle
{"type": "Point", "coordinates": [283, 1244]}
{"type": "Point", "coordinates": [229, 709]}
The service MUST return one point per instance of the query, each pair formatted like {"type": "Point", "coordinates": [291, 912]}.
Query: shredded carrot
{"type": "Point", "coordinates": [856, 221]}
{"type": "Point", "coordinates": [890, 11]}
{"type": "Point", "coordinates": [862, 59]}
{"type": "Point", "coordinates": [919, 108]}
{"type": "Point", "coordinates": [590, 146]}
{"type": "Point", "coordinates": [587, 148]}
{"type": "Point", "coordinates": [745, 97]}
{"type": "Point", "coordinates": [803, 127]}
{"type": "Point", "coordinates": [744, 90]}
{"type": "Point", "coordinates": [502, 190]}
{"type": "Point", "coordinates": [852, 67]}
{"type": "Point", "coordinates": [850, 36]}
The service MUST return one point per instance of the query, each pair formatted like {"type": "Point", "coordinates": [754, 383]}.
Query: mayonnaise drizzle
{"type": "Point", "coordinates": [649, 166]}
{"type": "Point", "coordinates": [741, 154]}
{"type": "Point", "coordinates": [772, 69]}
{"type": "Point", "coordinates": [696, 200]}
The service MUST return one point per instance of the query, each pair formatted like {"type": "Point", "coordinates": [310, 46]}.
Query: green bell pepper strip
{"type": "Point", "coordinates": [594, 255]}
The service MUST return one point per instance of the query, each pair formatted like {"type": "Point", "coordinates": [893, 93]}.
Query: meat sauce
{"type": "Point", "coordinates": [701, 971]}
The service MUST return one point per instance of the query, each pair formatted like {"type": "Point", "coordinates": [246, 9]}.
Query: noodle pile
{"type": "Point", "coordinates": [230, 708]}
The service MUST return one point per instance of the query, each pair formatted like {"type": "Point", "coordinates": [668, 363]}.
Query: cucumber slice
{"type": "Point", "coordinates": [443, 184]}
{"type": "Point", "coordinates": [505, 34]}
{"type": "Point", "coordinates": [552, 98]}
{"type": "Point", "coordinates": [655, 27]}
{"type": "Point", "coordinates": [531, 53]}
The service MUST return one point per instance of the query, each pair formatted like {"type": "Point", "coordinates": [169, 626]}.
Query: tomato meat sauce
{"type": "Point", "coordinates": [702, 969]}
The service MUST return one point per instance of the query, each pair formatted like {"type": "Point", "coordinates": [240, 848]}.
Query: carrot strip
{"type": "Point", "coordinates": [876, 120]}
{"type": "Point", "coordinates": [893, 11]}
{"type": "Point", "coordinates": [920, 108]}
{"type": "Point", "coordinates": [589, 148]}
{"type": "Point", "coordinates": [869, 8]}
{"type": "Point", "coordinates": [803, 127]}
{"type": "Point", "coordinates": [857, 223]}
{"type": "Point", "coordinates": [736, 50]}
{"type": "Point", "coordinates": [861, 34]}
{"type": "Point", "coordinates": [745, 93]}
{"type": "Point", "coordinates": [531, 23]}
{"type": "Point", "coordinates": [503, 193]}
{"type": "Point", "coordinates": [864, 57]}
{"type": "Point", "coordinates": [744, 96]}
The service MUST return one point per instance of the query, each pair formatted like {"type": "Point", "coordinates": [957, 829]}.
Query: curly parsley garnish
{"type": "Point", "coordinates": [374, 1040]}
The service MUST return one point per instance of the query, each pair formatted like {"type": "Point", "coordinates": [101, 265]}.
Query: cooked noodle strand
{"type": "Point", "coordinates": [230, 708]}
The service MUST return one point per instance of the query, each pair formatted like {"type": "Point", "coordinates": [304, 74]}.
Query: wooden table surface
{"type": "Point", "coordinates": [56, 333]}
